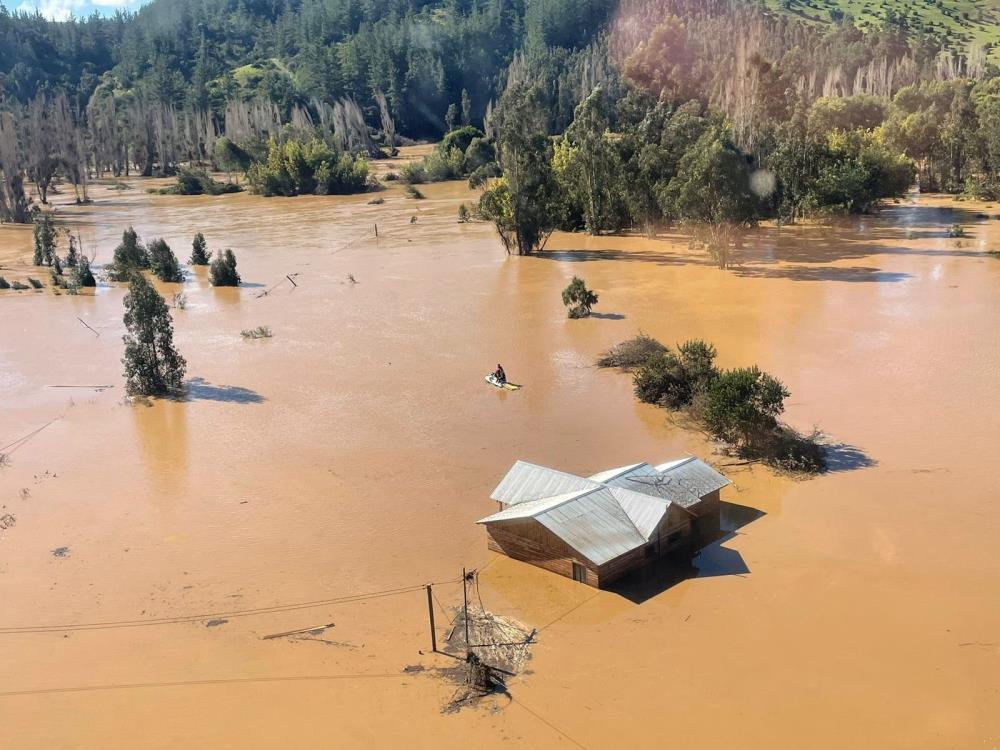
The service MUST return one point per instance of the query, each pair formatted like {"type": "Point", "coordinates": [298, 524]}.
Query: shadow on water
{"type": "Point", "coordinates": [710, 561]}
{"type": "Point", "coordinates": [198, 389]}
{"type": "Point", "coordinates": [824, 273]}
{"type": "Point", "coordinates": [841, 457]}
{"type": "Point", "coordinates": [607, 316]}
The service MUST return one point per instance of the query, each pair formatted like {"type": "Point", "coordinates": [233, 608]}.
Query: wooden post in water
{"type": "Point", "coordinates": [465, 606]}
{"type": "Point", "coordinates": [430, 613]}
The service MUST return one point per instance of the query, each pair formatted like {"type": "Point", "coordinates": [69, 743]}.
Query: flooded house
{"type": "Point", "coordinates": [597, 529]}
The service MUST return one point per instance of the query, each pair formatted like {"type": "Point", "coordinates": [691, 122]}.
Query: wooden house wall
{"type": "Point", "coordinates": [529, 541]}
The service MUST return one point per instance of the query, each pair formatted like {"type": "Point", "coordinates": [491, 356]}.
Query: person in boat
{"type": "Point", "coordinates": [500, 376]}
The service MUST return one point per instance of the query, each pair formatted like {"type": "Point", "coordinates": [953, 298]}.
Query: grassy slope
{"type": "Point", "coordinates": [965, 22]}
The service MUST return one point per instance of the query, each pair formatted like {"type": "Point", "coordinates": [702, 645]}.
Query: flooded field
{"type": "Point", "coordinates": [353, 451]}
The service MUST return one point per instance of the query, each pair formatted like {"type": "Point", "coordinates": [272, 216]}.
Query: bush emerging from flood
{"type": "Point", "coordinates": [740, 407]}
{"type": "Point", "coordinates": [199, 182]}
{"type": "Point", "coordinates": [578, 298]}
{"type": "Point", "coordinates": [223, 270]}
{"type": "Point", "coordinates": [163, 262]}
{"type": "Point", "coordinates": [84, 276]}
{"type": "Point", "coordinates": [4, 284]}
{"type": "Point", "coordinates": [632, 353]}
{"type": "Point", "coordinates": [308, 168]}
{"type": "Point", "coordinates": [130, 255]}
{"type": "Point", "coordinates": [200, 255]}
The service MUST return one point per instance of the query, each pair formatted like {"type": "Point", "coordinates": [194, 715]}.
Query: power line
{"type": "Point", "coordinates": [545, 721]}
{"type": "Point", "coordinates": [21, 441]}
{"type": "Point", "coordinates": [192, 683]}
{"type": "Point", "coordinates": [111, 625]}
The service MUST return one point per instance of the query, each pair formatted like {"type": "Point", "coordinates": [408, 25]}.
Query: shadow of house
{"type": "Point", "coordinates": [711, 560]}
{"type": "Point", "coordinates": [198, 389]}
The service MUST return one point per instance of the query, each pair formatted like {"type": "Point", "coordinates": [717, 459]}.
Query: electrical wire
{"type": "Point", "coordinates": [112, 625]}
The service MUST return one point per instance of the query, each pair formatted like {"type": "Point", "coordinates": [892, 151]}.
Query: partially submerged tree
{"type": "Point", "coordinates": [153, 366]}
{"type": "Point", "coordinates": [223, 270]}
{"type": "Point", "coordinates": [163, 262]}
{"type": "Point", "coordinates": [130, 255]}
{"type": "Point", "coordinates": [578, 298]}
{"type": "Point", "coordinates": [45, 239]}
{"type": "Point", "coordinates": [676, 379]}
{"type": "Point", "coordinates": [712, 194]}
{"type": "Point", "coordinates": [84, 276]}
{"type": "Point", "coordinates": [200, 255]}
{"type": "Point", "coordinates": [742, 406]}
{"type": "Point", "coordinates": [72, 255]}
{"type": "Point", "coordinates": [522, 206]}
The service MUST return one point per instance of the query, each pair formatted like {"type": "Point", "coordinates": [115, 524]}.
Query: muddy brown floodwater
{"type": "Point", "coordinates": [352, 452]}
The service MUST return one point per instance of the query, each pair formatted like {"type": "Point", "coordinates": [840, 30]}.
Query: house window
{"type": "Point", "coordinates": [675, 537]}
{"type": "Point", "coordinates": [579, 573]}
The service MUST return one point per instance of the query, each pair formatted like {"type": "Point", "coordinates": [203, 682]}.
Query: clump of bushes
{"type": "Point", "coordinates": [463, 214]}
{"type": "Point", "coordinates": [311, 167]}
{"type": "Point", "coordinates": [198, 182]}
{"type": "Point", "coordinates": [35, 283]}
{"type": "Point", "coordinates": [632, 353]}
{"type": "Point", "coordinates": [578, 298]}
{"type": "Point", "coordinates": [413, 192]}
{"type": "Point", "coordinates": [956, 231]}
{"type": "Point", "coordinates": [18, 286]}
{"type": "Point", "coordinates": [163, 262]}
{"type": "Point", "coordinates": [460, 153]}
{"type": "Point", "coordinates": [741, 406]}
{"type": "Point", "coordinates": [223, 270]}
{"type": "Point", "coordinates": [4, 284]}
{"type": "Point", "coordinates": [260, 332]}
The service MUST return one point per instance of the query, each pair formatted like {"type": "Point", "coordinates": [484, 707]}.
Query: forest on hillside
{"type": "Point", "coordinates": [596, 115]}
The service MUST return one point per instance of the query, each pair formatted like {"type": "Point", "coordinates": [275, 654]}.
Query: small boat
{"type": "Point", "coordinates": [492, 380]}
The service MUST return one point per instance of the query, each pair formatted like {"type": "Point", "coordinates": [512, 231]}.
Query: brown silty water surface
{"type": "Point", "coordinates": [354, 450]}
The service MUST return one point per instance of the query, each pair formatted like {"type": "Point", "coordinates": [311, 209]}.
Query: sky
{"type": "Point", "coordinates": [60, 10]}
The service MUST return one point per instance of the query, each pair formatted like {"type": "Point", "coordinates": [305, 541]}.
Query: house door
{"type": "Point", "coordinates": [579, 573]}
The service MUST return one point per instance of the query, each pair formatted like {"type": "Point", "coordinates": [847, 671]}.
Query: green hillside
{"type": "Point", "coordinates": [957, 24]}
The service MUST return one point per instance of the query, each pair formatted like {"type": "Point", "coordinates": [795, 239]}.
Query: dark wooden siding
{"type": "Point", "coordinates": [529, 541]}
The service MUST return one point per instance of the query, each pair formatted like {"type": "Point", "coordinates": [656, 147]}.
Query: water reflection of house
{"type": "Point", "coordinates": [595, 530]}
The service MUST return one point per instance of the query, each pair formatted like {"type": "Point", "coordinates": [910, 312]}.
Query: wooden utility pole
{"type": "Point", "coordinates": [465, 605]}
{"type": "Point", "coordinates": [430, 612]}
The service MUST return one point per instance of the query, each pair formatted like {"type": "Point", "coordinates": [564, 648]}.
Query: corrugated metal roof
{"type": "Point", "coordinates": [645, 512]}
{"type": "Point", "coordinates": [696, 476]}
{"type": "Point", "coordinates": [592, 522]}
{"type": "Point", "coordinates": [609, 514]}
{"type": "Point", "coordinates": [594, 525]}
{"type": "Point", "coordinates": [525, 482]}
{"type": "Point", "coordinates": [606, 477]}
{"type": "Point", "coordinates": [532, 508]}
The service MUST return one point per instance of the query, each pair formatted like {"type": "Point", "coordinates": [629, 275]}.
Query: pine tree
{"type": "Point", "coordinates": [163, 262]}
{"type": "Point", "coordinates": [45, 239]}
{"type": "Point", "coordinates": [199, 255]}
{"type": "Point", "coordinates": [223, 270]}
{"type": "Point", "coordinates": [152, 364]}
